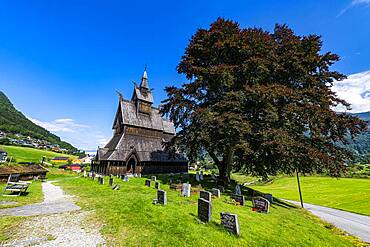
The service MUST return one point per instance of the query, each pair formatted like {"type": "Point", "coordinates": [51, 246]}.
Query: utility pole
{"type": "Point", "coordinates": [299, 189]}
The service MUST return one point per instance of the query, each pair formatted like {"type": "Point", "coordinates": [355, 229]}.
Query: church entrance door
{"type": "Point", "coordinates": [131, 165]}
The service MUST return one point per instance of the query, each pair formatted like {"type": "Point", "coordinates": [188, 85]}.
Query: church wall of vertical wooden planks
{"type": "Point", "coordinates": [138, 138]}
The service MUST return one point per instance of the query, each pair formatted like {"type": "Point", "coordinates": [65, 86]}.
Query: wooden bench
{"type": "Point", "coordinates": [15, 185]}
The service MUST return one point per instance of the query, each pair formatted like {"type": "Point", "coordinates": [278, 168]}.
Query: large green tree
{"type": "Point", "coordinates": [260, 102]}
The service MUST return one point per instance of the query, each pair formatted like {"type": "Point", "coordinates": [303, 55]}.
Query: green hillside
{"type": "Point", "coordinates": [25, 154]}
{"type": "Point", "coordinates": [13, 121]}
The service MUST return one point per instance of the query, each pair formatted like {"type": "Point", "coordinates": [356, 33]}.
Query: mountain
{"type": "Point", "coordinates": [360, 145]}
{"type": "Point", "coordinates": [13, 121]}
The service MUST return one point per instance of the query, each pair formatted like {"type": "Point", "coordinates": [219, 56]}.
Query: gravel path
{"type": "Point", "coordinates": [57, 221]}
{"type": "Point", "coordinates": [355, 224]}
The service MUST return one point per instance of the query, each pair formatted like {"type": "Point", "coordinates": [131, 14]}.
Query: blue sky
{"type": "Point", "coordinates": [61, 61]}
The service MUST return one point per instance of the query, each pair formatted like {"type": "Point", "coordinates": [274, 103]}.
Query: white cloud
{"type": "Point", "coordinates": [80, 135]}
{"type": "Point", "coordinates": [355, 90]}
{"type": "Point", "coordinates": [353, 4]}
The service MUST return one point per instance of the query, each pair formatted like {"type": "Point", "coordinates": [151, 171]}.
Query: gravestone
{"type": "Point", "coordinates": [93, 175]}
{"type": "Point", "coordinates": [148, 183]}
{"type": "Point", "coordinates": [90, 174]}
{"type": "Point", "coordinates": [230, 222]}
{"type": "Point", "coordinates": [201, 176]}
{"type": "Point", "coordinates": [216, 192]}
{"type": "Point", "coordinates": [154, 178]}
{"type": "Point", "coordinates": [125, 179]}
{"type": "Point", "coordinates": [157, 185]}
{"type": "Point", "coordinates": [213, 176]}
{"type": "Point", "coordinates": [239, 198]}
{"type": "Point", "coordinates": [260, 204]}
{"type": "Point", "coordinates": [111, 181]}
{"type": "Point", "coordinates": [222, 189]}
{"type": "Point", "coordinates": [101, 180]}
{"type": "Point", "coordinates": [139, 175]}
{"type": "Point", "coordinates": [186, 189]}
{"type": "Point", "coordinates": [85, 174]}
{"type": "Point", "coordinates": [197, 177]}
{"type": "Point", "coordinates": [116, 187]}
{"type": "Point", "coordinates": [205, 195]}
{"type": "Point", "coordinates": [269, 198]}
{"type": "Point", "coordinates": [162, 197]}
{"type": "Point", "coordinates": [204, 210]}
{"type": "Point", "coordinates": [238, 190]}
{"type": "Point", "coordinates": [170, 180]}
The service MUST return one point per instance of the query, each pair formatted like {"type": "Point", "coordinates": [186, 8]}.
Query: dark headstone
{"type": "Point", "coordinates": [204, 210]}
{"type": "Point", "coordinates": [222, 189]}
{"type": "Point", "coordinates": [205, 195]}
{"type": "Point", "coordinates": [148, 183]}
{"type": "Point", "coordinates": [238, 190]}
{"type": "Point", "coordinates": [111, 181]}
{"type": "Point", "coordinates": [157, 185]}
{"type": "Point", "coordinates": [260, 204]}
{"type": "Point", "coordinates": [269, 198]}
{"type": "Point", "coordinates": [162, 197]}
{"type": "Point", "coordinates": [240, 199]}
{"type": "Point", "coordinates": [116, 187]}
{"type": "Point", "coordinates": [154, 178]}
{"type": "Point", "coordinates": [216, 192]}
{"type": "Point", "coordinates": [230, 222]}
{"type": "Point", "coordinates": [101, 180]}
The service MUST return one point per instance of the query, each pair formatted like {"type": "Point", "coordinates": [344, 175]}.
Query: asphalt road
{"type": "Point", "coordinates": [355, 224]}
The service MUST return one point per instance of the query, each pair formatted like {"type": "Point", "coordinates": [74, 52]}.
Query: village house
{"type": "Point", "coordinates": [139, 135]}
{"type": "Point", "coordinates": [3, 155]}
{"type": "Point", "coordinates": [60, 159]}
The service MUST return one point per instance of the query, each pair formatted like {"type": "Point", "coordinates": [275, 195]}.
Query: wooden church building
{"type": "Point", "coordinates": [137, 142]}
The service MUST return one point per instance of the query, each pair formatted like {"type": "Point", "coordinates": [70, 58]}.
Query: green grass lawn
{"type": "Point", "coordinates": [350, 194]}
{"type": "Point", "coordinates": [34, 195]}
{"type": "Point", "coordinates": [129, 218]}
{"type": "Point", "coordinates": [8, 224]}
{"type": "Point", "coordinates": [26, 154]}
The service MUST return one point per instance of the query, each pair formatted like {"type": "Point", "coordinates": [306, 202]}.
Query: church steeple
{"type": "Point", "coordinates": [144, 80]}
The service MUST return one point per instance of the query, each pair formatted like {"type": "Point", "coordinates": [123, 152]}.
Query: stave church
{"type": "Point", "coordinates": [139, 132]}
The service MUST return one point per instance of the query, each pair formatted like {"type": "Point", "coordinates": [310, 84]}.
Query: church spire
{"type": "Point", "coordinates": [144, 80]}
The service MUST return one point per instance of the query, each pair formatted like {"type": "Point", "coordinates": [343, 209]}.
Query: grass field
{"type": "Point", "coordinates": [25, 154]}
{"type": "Point", "coordinates": [34, 195]}
{"type": "Point", "coordinates": [130, 219]}
{"type": "Point", "coordinates": [348, 194]}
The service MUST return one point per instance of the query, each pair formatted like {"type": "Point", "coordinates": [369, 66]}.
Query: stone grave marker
{"type": "Point", "coordinates": [216, 192]}
{"type": "Point", "coordinates": [201, 176]}
{"type": "Point", "coordinates": [230, 222]}
{"type": "Point", "coordinates": [222, 189]}
{"type": "Point", "coordinates": [116, 187]}
{"type": "Point", "coordinates": [170, 180]}
{"type": "Point", "coordinates": [148, 183]}
{"type": "Point", "coordinates": [89, 174]}
{"type": "Point", "coordinates": [186, 189]}
{"type": "Point", "coordinates": [238, 190]}
{"type": "Point", "coordinates": [154, 178]}
{"type": "Point", "coordinates": [139, 175]}
{"type": "Point", "coordinates": [240, 199]}
{"type": "Point", "coordinates": [205, 195]}
{"type": "Point", "coordinates": [197, 177]}
{"type": "Point", "coordinates": [93, 175]}
{"type": "Point", "coordinates": [101, 180]}
{"type": "Point", "coordinates": [111, 181]}
{"type": "Point", "coordinates": [162, 197]}
{"type": "Point", "coordinates": [260, 204]}
{"type": "Point", "coordinates": [125, 179]}
{"type": "Point", "coordinates": [269, 198]}
{"type": "Point", "coordinates": [85, 174]}
{"type": "Point", "coordinates": [213, 176]}
{"type": "Point", "coordinates": [204, 210]}
{"type": "Point", "coordinates": [157, 185]}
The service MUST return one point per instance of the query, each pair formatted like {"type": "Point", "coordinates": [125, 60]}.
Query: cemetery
{"type": "Point", "coordinates": [215, 219]}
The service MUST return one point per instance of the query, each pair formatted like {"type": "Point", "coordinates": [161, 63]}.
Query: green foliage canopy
{"type": "Point", "coordinates": [259, 102]}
